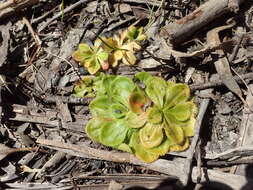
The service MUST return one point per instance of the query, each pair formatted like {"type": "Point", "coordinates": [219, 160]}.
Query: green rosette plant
{"type": "Point", "coordinates": [147, 122]}
{"type": "Point", "coordinates": [110, 51]}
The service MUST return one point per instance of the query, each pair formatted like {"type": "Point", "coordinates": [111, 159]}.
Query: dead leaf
{"type": "Point", "coordinates": [222, 65]}
{"type": "Point", "coordinates": [113, 185]}
{"type": "Point", "coordinates": [5, 150]}
{"type": "Point", "coordinates": [124, 8]}
{"type": "Point", "coordinates": [4, 42]}
{"type": "Point", "coordinates": [27, 169]}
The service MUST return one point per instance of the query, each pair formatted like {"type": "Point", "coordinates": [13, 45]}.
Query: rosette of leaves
{"type": "Point", "coordinates": [92, 57]}
{"type": "Point", "coordinates": [147, 122]}
{"type": "Point", "coordinates": [110, 51]}
{"type": "Point", "coordinates": [122, 47]}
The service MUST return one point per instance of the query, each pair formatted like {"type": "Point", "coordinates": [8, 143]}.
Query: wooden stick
{"type": "Point", "coordinates": [219, 82]}
{"type": "Point", "coordinates": [222, 180]}
{"type": "Point", "coordinates": [175, 168]}
{"type": "Point", "coordinates": [58, 15]}
{"type": "Point", "coordinates": [12, 6]}
{"type": "Point", "coordinates": [180, 30]}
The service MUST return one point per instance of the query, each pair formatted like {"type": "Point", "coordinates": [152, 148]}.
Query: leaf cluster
{"type": "Point", "coordinates": [147, 122]}
{"type": "Point", "coordinates": [110, 51]}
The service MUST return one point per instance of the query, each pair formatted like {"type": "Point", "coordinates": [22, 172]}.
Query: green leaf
{"type": "Point", "coordinates": [102, 56]}
{"type": "Point", "coordinates": [124, 117]}
{"type": "Point", "coordinates": [135, 33]}
{"type": "Point", "coordinates": [140, 151]}
{"type": "Point", "coordinates": [173, 121]}
{"type": "Point", "coordinates": [151, 135]}
{"type": "Point", "coordinates": [118, 110]}
{"type": "Point", "coordinates": [181, 111]}
{"type": "Point", "coordinates": [174, 133]}
{"type": "Point", "coordinates": [121, 89]}
{"type": "Point", "coordinates": [156, 90]}
{"type": "Point", "coordinates": [83, 53]}
{"type": "Point", "coordinates": [100, 107]}
{"type": "Point", "coordinates": [93, 129]}
{"type": "Point", "coordinates": [92, 65]}
{"type": "Point", "coordinates": [91, 57]}
{"type": "Point", "coordinates": [188, 128]}
{"type": "Point", "coordinates": [160, 150]}
{"type": "Point", "coordinates": [107, 82]}
{"type": "Point", "coordinates": [155, 115]}
{"type": "Point", "coordinates": [114, 133]}
{"type": "Point", "coordinates": [84, 88]}
{"type": "Point", "coordinates": [143, 77]}
{"type": "Point", "coordinates": [136, 121]}
{"type": "Point", "coordinates": [125, 147]}
{"type": "Point", "coordinates": [175, 94]}
{"type": "Point", "coordinates": [178, 147]}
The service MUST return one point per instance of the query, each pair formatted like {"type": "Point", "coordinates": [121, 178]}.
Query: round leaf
{"type": "Point", "coordinates": [174, 133]}
{"type": "Point", "coordinates": [162, 149]}
{"type": "Point", "coordinates": [114, 133]}
{"type": "Point", "coordinates": [102, 56]}
{"type": "Point", "coordinates": [94, 67]}
{"type": "Point", "coordinates": [107, 82]}
{"type": "Point", "coordinates": [118, 110]}
{"type": "Point", "coordinates": [151, 135]}
{"type": "Point", "coordinates": [140, 151]}
{"type": "Point", "coordinates": [181, 111]}
{"type": "Point", "coordinates": [121, 89]}
{"type": "Point", "coordinates": [143, 77]}
{"type": "Point", "coordinates": [128, 57]}
{"type": "Point", "coordinates": [188, 128]}
{"type": "Point", "coordinates": [100, 107]}
{"type": "Point", "coordinates": [137, 100]}
{"type": "Point", "coordinates": [155, 115]}
{"type": "Point", "coordinates": [83, 53]}
{"type": "Point", "coordinates": [136, 121]}
{"type": "Point", "coordinates": [175, 94]}
{"type": "Point", "coordinates": [93, 129]}
{"type": "Point", "coordinates": [178, 148]}
{"type": "Point", "coordinates": [156, 90]}
{"type": "Point", "coordinates": [124, 147]}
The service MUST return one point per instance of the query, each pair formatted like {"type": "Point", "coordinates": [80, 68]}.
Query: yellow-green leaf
{"type": "Point", "coordinates": [175, 94]}
{"type": "Point", "coordinates": [128, 57]}
{"type": "Point", "coordinates": [100, 107]}
{"type": "Point", "coordinates": [155, 115]}
{"type": "Point", "coordinates": [151, 135]}
{"type": "Point", "coordinates": [136, 121]}
{"type": "Point", "coordinates": [140, 151]}
{"type": "Point", "coordinates": [93, 128]}
{"type": "Point", "coordinates": [84, 88]}
{"type": "Point", "coordinates": [162, 149]}
{"type": "Point", "coordinates": [113, 133]}
{"type": "Point", "coordinates": [181, 111]}
{"type": "Point", "coordinates": [118, 110]}
{"type": "Point", "coordinates": [125, 147]}
{"type": "Point", "coordinates": [174, 133]}
{"type": "Point", "coordinates": [135, 33]}
{"type": "Point", "coordinates": [83, 53]}
{"type": "Point", "coordinates": [156, 90]}
{"type": "Point", "coordinates": [121, 89]}
{"type": "Point", "coordinates": [178, 148]}
{"type": "Point", "coordinates": [93, 66]}
{"type": "Point", "coordinates": [143, 77]}
{"type": "Point", "coordinates": [188, 128]}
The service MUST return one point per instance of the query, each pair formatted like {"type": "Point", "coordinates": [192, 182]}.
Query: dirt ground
{"type": "Point", "coordinates": [207, 44]}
